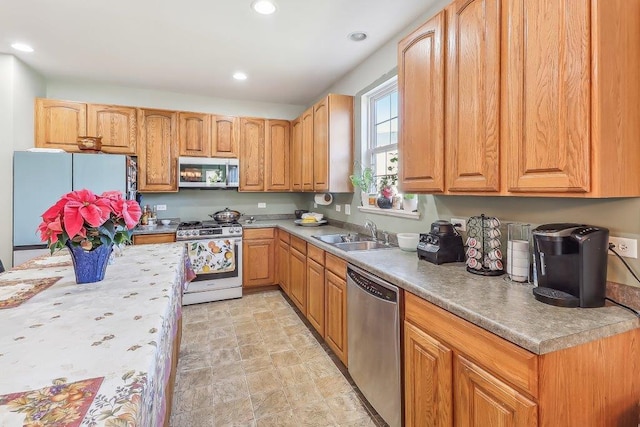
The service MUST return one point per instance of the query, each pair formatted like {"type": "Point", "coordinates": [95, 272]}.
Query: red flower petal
{"type": "Point", "coordinates": [73, 220]}
{"type": "Point", "coordinates": [55, 210]}
{"type": "Point", "coordinates": [130, 212]}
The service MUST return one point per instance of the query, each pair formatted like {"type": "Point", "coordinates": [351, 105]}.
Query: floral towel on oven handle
{"type": "Point", "coordinates": [212, 256]}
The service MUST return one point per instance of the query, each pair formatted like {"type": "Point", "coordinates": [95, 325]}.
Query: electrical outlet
{"type": "Point", "coordinates": [338, 208]}
{"type": "Point", "coordinates": [262, 205]}
{"type": "Point", "coordinates": [161, 207]}
{"type": "Point", "coordinates": [462, 222]}
{"type": "Point", "coordinates": [347, 209]}
{"type": "Point", "coordinates": [315, 205]}
{"type": "Point", "coordinates": [627, 248]}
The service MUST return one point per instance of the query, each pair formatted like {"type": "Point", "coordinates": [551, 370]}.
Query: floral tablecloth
{"type": "Point", "coordinates": [96, 354]}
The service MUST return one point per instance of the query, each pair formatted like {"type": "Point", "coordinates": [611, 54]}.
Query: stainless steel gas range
{"type": "Point", "coordinates": [215, 252]}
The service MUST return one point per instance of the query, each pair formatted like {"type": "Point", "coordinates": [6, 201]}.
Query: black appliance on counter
{"type": "Point", "coordinates": [571, 264]}
{"type": "Point", "coordinates": [442, 244]}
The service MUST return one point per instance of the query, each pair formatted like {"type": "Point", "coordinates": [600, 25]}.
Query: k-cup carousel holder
{"type": "Point", "coordinates": [483, 246]}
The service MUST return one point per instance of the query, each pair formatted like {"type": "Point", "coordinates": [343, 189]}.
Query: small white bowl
{"type": "Point", "coordinates": [165, 221]}
{"type": "Point", "coordinates": [408, 241]}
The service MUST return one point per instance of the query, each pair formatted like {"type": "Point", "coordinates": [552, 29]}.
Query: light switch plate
{"type": "Point", "coordinates": [347, 209]}
{"type": "Point", "coordinates": [161, 207]}
{"type": "Point", "coordinates": [338, 208]}
{"type": "Point", "coordinates": [262, 205]}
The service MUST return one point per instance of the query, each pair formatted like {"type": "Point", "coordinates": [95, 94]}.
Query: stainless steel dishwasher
{"type": "Point", "coordinates": [373, 331]}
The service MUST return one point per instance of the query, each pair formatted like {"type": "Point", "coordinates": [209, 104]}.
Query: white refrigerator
{"type": "Point", "coordinates": [41, 178]}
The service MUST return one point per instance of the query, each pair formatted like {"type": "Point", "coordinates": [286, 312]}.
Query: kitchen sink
{"type": "Point", "coordinates": [351, 242]}
{"type": "Point", "coordinates": [364, 245]}
{"type": "Point", "coordinates": [340, 238]}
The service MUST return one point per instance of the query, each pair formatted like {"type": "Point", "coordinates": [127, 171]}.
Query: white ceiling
{"type": "Point", "coordinates": [194, 46]}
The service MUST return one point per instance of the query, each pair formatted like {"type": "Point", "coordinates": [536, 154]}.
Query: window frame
{"type": "Point", "coordinates": [368, 129]}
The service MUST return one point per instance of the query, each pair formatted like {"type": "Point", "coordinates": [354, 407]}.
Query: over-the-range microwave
{"type": "Point", "coordinates": [205, 172]}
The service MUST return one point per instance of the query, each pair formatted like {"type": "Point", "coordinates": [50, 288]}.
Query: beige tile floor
{"type": "Point", "coordinates": [254, 362]}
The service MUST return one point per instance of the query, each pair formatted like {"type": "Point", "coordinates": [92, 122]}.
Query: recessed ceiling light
{"type": "Point", "coordinates": [357, 36]}
{"type": "Point", "coordinates": [240, 76]}
{"type": "Point", "coordinates": [263, 7]}
{"type": "Point", "coordinates": [22, 47]}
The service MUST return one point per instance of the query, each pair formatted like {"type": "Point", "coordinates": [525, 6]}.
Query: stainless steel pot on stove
{"type": "Point", "coordinates": [226, 216]}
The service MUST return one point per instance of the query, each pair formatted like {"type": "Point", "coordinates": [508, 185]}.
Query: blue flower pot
{"type": "Point", "coordinates": [90, 266]}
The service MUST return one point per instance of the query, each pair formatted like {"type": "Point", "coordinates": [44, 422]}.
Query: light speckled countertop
{"type": "Point", "coordinates": [156, 229]}
{"type": "Point", "coordinates": [506, 309]}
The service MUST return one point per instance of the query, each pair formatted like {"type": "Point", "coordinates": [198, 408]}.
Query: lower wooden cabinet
{"type": "Point", "coordinates": [456, 373]}
{"type": "Point", "coordinates": [282, 260]}
{"type": "Point", "coordinates": [315, 294]}
{"type": "Point", "coordinates": [336, 306]}
{"type": "Point", "coordinates": [258, 257]}
{"type": "Point", "coordinates": [298, 273]}
{"type": "Point", "coordinates": [315, 281]}
{"type": "Point", "coordinates": [144, 239]}
{"type": "Point", "coordinates": [428, 373]}
{"type": "Point", "coordinates": [442, 384]}
{"type": "Point", "coordinates": [481, 399]}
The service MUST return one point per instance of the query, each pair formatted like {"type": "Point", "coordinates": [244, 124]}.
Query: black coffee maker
{"type": "Point", "coordinates": [442, 244]}
{"type": "Point", "coordinates": [571, 264]}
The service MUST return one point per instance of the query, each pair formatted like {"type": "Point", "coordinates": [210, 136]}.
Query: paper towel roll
{"type": "Point", "coordinates": [323, 199]}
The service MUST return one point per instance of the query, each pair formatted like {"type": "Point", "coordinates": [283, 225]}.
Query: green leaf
{"type": "Point", "coordinates": [108, 228]}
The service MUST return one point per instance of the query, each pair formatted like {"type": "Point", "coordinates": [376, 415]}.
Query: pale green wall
{"type": "Point", "coordinates": [621, 216]}
{"type": "Point", "coordinates": [19, 86]}
{"type": "Point", "coordinates": [80, 90]}
{"type": "Point", "coordinates": [198, 204]}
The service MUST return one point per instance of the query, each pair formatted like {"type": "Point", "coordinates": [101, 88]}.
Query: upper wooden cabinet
{"type": "Point", "coordinates": [277, 152]}
{"type": "Point", "coordinates": [58, 124]}
{"type": "Point", "coordinates": [307, 150]}
{"type": "Point", "coordinates": [157, 150]}
{"type": "Point", "coordinates": [333, 143]}
{"type": "Point", "coordinates": [421, 107]}
{"type": "Point", "coordinates": [116, 125]}
{"type": "Point", "coordinates": [571, 97]}
{"type": "Point", "coordinates": [472, 142]}
{"type": "Point", "coordinates": [194, 134]}
{"type": "Point", "coordinates": [548, 83]}
{"type": "Point", "coordinates": [322, 146]}
{"type": "Point", "coordinates": [296, 154]}
{"type": "Point", "coordinates": [545, 112]}
{"type": "Point", "coordinates": [225, 133]}
{"type": "Point", "coordinates": [252, 154]}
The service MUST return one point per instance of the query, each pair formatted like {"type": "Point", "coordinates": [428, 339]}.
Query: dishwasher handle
{"type": "Point", "coordinates": [373, 285]}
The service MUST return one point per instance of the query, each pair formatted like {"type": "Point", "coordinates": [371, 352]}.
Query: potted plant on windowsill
{"type": "Point", "coordinates": [364, 181]}
{"type": "Point", "coordinates": [387, 185]}
{"type": "Point", "coordinates": [410, 202]}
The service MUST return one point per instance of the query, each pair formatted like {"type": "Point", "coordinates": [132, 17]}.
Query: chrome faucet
{"type": "Point", "coordinates": [371, 226]}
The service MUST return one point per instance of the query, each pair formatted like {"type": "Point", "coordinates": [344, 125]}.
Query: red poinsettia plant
{"type": "Point", "coordinates": [81, 218]}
